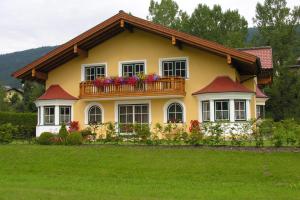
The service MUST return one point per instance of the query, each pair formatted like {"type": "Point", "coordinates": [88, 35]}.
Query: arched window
{"type": "Point", "coordinates": [175, 113]}
{"type": "Point", "coordinates": [95, 115]}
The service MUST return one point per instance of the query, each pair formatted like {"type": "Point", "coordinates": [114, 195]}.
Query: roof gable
{"type": "Point", "coordinates": [223, 84]}
{"type": "Point", "coordinates": [116, 24]}
{"type": "Point", "coordinates": [56, 92]}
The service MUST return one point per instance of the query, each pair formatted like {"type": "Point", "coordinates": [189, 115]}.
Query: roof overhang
{"type": "Point", "coordinates": [79, 46]}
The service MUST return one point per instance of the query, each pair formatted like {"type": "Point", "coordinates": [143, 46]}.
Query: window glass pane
{"type": "Point", "coordinates": [175, 113]}
{"type": "Point", "coordinates": [95, 115]}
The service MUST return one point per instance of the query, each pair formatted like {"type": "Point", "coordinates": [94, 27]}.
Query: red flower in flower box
{"type": "Point", "coordinates": [132, 80]}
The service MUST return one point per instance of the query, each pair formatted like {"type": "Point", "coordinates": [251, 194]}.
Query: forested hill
{"type": "Point", "coordinates": [13, 61]}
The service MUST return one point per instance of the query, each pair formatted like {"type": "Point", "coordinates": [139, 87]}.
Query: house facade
{"type": "Point", "coordinates": [128, 70]}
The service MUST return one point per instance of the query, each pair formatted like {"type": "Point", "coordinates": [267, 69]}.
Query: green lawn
{"type": "Point", "coordinates": [108, 172]}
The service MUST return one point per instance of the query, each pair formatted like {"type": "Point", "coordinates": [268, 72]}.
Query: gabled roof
{"type": "Point", "coordinates": [260, 94]}
{"type": "Point", "coordinates": [223, 84]}
{"type": "Point", "coordinates": [56, 92]}
{"type": "Point", "coordinates": [119, 23]}
{"type": "Point", "coordinates": [264, 54]}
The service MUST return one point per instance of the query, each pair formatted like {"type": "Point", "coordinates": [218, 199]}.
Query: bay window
{"type": "Point", "coordinates": [221, 110]}
{"type": "Point", "coordinates": [64, 114]}
{"type": "Point", "coordinates": [205, 111]}
{"type": "Point", "coordinates": [49, 115]}
{"type": "Point", "coordinates": [240, 110]}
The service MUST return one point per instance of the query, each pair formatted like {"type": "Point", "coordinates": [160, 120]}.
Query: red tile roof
{"type": "Point", "coordinates": [264, 53]}
{"type": "Point", "coordinates": [260, 94]}
{"type": "Point", "coordinates": [56, 92]}
{"type": "Point", "coordinates": [223, 84]}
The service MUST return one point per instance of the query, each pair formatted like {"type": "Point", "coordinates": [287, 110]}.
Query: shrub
{"type": "Point", "coordinates": [24, 122]}
{"type": "Point", "coordinates": [214, 131]}
{"type": "Point", "coordinates": [74, 138]}
{"type": "Point", "coordinates": [74, 126]}
{"type": "Point", "coordinates": [45, 138]}
{"type": "Point", "coordinates": [278, 135]}
{"type": "Point", "coordinates": [142, 131]}
{"type": "Point", "coordinates": [111, 134]}
{"type": "Point", "coordinates": [86, 132]}
{"type": "Point", "coordinates": [6, 133]}
{"type": "Point", "coordinates": [196, 135]}
{"type": "Point", "coordinates": [63, 133]}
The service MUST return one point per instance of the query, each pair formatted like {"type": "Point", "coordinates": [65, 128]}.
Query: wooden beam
{"type": "Point", "coordinates": [229, 61]}
{"type": "Point", "coordinates": [173, 40]}
{"type": "Point", "coordinates": [38, 75]}
{"type": "Point", "coordinates": [80, 52]}
{"type": "Point", "coordinates": [264, 81]}
{"type": "Point", "coordinates": [122, 23]}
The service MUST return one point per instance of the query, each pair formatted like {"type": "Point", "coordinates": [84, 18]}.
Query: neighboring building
{"type": "Point", "coordinates": [199, 79]}
{"type": "Point", "coordinates": [10, 91]}
{"type": "Point", "coordinates": [296, 67]}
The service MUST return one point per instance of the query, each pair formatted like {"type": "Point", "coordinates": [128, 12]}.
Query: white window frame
{"type": "Point", "coordinates": [161, 60]}
{"type": "Point", "coordinates": [205, 111]}
{"type": "Point", "coordinates": [245, 110]}
{"type": "Point", "coordinates": [64, 106]}
{"type": "Point", "coordinates": [86, 112]}
{"type": "Point", "coordinates": [45, 107]}
{"type": "Point", "coordinates": [222, 110]}
{"type": "Point", "coordinates": [132, 62]}
{"type": "Point", "coordinates": [166, 106]}
{"type": "Point", "coordinates": [83, 66]}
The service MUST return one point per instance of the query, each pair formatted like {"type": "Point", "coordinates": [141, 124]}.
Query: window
{"type": "Point", "coordinates": [95, 115]}
{"type": "Point", "coordinates": [49, 117]}
{"type": "Point", "coordinates": [92, 72]}
{"type": "Point", "coordinates": [240, 110]}
{"type": "Point", "coordinates": [130, 69]}
{"type": "Point", "coordinates": [222, 110]}
{"type": "Point", "coordinates": [130, 114]}
{"type": "Point", "coordinates": [175, 113]}
{"type": "Point", "coordinates": [174, 68]}
{"type": "Point", "coordinates": [260, 111]}
{"type": "Point", "coordinates": [64, 114]}
{"type": "Point", "coordinates": [205, 111]}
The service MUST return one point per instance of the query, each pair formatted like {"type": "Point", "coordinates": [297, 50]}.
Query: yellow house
{"type": "Point", "coordinates": [128, 70]}
{"type": "Point", "coordinates": [11, 91]}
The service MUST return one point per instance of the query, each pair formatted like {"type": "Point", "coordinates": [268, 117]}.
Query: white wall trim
{"type": "Point", "coordinates": [54, 102]}
{"type": "Point", "coordinates": [117, 103]}
{"type": "Point", "coordinates": [224, 95]}
{"type": "Point", "coordinates": [166, 105]}
{"type": "Point", "coordinates": [90, 65]}
{"type": "Point", "coordinates": [160, 60]}
{"type": "Point", "coordinates": [261, 101]}
{"type": "Point", "coordinates": [86, 112]}
{"type": "Point", "coordinates": [132, 61]}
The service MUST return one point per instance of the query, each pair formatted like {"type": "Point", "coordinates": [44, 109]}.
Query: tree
{"type": "Point", "coordinates": [3, 104]}
{"type": "Point", "coordinates": [284, 95]}
{"type": "Point", "coordinates": [167, 13]}
{"type": "Point", "coordinates": [277, 27]}
{"type": "Point", "coordinates": [32, 90]}
{"type": "Point", "coordinates": [228, 28]}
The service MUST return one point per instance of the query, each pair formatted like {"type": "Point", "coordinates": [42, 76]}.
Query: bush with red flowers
{"type": "Point", "coordinates": [74, 126]}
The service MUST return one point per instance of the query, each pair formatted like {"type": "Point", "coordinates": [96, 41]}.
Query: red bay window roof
{"type": "Point", "coordinates": [260, 94]}
{"type": "Point", "coordinates": [56, 92]}
{"type": "Point", "coordinates": [223, 84]}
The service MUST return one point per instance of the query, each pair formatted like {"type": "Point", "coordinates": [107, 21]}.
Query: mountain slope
{"type": "Point", "coordinates": [13, 61]}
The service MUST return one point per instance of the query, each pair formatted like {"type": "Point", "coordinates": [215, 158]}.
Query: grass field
{"type": "Point", "coordinates": [108, 172]}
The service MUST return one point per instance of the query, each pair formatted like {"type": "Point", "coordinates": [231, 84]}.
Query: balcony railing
{"type": "Point", "coordinates": [174, 86]}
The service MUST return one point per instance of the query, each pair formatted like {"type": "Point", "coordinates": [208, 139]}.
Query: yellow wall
{"type": "Point", "coordinates": [139, 45]}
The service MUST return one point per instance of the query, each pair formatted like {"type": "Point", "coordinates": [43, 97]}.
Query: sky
{"type": "Point", "coordinates": [26, 24]}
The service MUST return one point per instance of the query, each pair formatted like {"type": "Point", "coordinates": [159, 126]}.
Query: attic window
{"type": "Point", "coordinates": [175, 67]}
{"type": "Point", "coordinates": [131, 69]}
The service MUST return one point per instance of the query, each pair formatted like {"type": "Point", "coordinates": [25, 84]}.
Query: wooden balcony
{"type": "Point", "coordinates": [167, 86]}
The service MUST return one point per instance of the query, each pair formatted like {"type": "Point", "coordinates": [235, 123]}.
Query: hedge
{"type": "Point", "coordinates": [25, 123]}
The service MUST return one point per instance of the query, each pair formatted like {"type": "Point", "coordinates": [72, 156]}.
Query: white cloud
{"type": "Point", "coordinates": [34, 23]}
